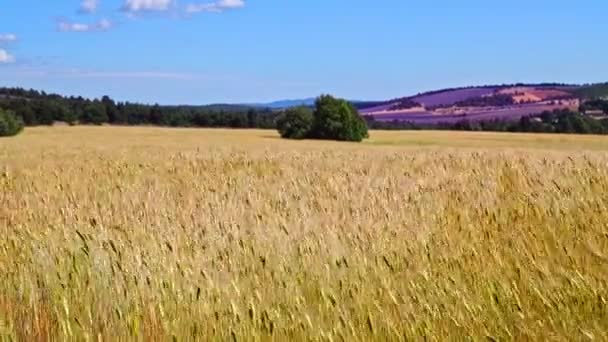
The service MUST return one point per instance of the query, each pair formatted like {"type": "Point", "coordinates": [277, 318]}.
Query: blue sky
{"type": "Point", "coordinates": [208, 51]}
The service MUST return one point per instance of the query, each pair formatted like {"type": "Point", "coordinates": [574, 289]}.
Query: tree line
{"type": "Point", "coordinates": [38, 108]}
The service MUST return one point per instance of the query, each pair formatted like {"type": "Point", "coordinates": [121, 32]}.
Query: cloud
{"type": "Point", "coordinates": [132, 7]}
{"type": "Point", "coordinates": [217, 6]}
{"type": "Point", "coordinates": [89, 6]}
{"type": "Point", "coordinates": [147, 5]}
{"type": "Point", "coordinates": [68, 26]}
{"type": "Point", "coordinates": [7, 38]}
{"type": "Point", "coordinates": [5, 57]}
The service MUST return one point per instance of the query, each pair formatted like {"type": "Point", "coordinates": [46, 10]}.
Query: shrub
{"type": "Point", "coordinates": [295, 123]}
{"type": "Point", "coordinates": [10, 124]}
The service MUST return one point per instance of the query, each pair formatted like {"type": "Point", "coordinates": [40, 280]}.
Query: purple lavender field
{"type": "Point", "coordinates": [435, 99]}
{"type": "Point", "coordinates": [450, 106]}
{"type": "Point", "coordinates": [381, 108]}
{"type": "Point", "coordinates": [511, 113]}
{"type": "Point", "coordinates": [450, 97]}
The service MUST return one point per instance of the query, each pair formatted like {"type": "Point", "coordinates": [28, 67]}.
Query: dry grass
{"type": "Point", "coordinates": [154, 234]}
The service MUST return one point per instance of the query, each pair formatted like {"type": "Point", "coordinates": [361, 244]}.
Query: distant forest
{"type": "Point", "coordinates": [40, 108]}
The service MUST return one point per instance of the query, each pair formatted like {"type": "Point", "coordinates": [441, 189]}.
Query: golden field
{"type": "Point", "coordinates": [181, 234]}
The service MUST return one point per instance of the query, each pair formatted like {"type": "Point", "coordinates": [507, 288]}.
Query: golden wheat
{"type": "Point", "coordinates": [155, 234]}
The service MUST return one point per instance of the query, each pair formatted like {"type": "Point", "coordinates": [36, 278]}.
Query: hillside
{"type": "Point", "coordinates": [593, 91]}
{"type": "Point", "coordinates": [484, 103]}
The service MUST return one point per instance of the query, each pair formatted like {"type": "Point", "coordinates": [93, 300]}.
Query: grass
{"type": "Point", "coordinates": [156, 234]}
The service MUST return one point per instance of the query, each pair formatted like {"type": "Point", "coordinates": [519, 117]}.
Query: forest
{"type": "Point", "coordinates": [40, 108]}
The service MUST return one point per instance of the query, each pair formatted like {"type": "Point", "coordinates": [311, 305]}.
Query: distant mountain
{"type": "Point", "coordinates": [217, 107]}
{"type": "Point", "coordinates": [281, 104]}
{"type": "Point", "coordinates": [309, 102]}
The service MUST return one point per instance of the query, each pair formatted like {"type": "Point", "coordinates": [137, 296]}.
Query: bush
{"type": "Point", "coordinates": [295, 123]}
{"type": "Point", "coordinates": [10, 124]}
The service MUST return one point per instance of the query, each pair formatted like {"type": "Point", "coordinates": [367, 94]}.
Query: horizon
{"type": "Point", "coordinates": [201, 52]}
{"type": "Point", "coordinates": [310, 98]}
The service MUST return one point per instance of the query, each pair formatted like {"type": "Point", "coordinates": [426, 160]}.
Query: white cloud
{"type": "Point", "coordinates": [147, 5]}
{"type": "Point", "coordinates": [231, 3]}
{"type": "Point", "coordinates": [7, 38]}
{"type": "Point", "coordinates": [5, 57]}
{"type": "Point", "coordinates": [68, 26]}
{"type": "Point", "coordinates": [89, 6]}
{"type": "Point", "coordinates": [217, 6]}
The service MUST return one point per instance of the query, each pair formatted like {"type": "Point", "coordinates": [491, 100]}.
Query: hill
{"type": "Point", "coordinates": [483, 103]}
{"type": "Point", "coordinates": [282, 104]}
{"type": "Point", "coordinates": [308, 102]}
{"type": "Point", "coordinates": [592, 91]}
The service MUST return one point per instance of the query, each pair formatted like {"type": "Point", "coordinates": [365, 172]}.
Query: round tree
{"type": "Point", "coordinates": [336, 119]}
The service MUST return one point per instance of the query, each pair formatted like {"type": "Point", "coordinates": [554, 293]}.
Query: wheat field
{"type": "Point", "coordinates": [152, 234]}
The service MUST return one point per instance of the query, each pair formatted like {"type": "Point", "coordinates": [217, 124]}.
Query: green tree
{"type": "Point", "coordinates": [10, 124]}
{"type": "Point", "coordinates": [336, 119]}
{"type": "Point", "coordinates": [28, 115]}
{"type": "Point", "coordinates": [44, 116]}
{"type": "Point", "coordinates": [156, 115]}
{"type": "Point", "coordinates": [359, 124]}
{"type": "Point", "coordinates": [111, 109]}
{"type": "Point", "coordinates": [57, 109]}
{"type": "Point", "coordinates": [295, 123]}
{"type": "Point", "coordinates": [95, 113]}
